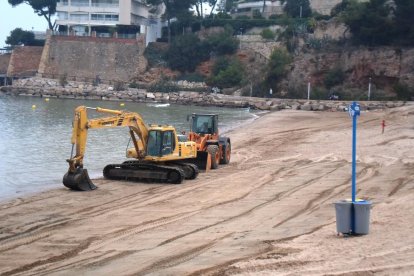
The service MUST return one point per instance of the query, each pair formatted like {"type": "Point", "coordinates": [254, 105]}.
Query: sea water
{"type": "Point", "coordinates": [35, 137]}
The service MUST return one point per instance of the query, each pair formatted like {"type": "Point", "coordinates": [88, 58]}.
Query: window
{"type": "Point", "coordinates": [203, 124]}
{"type": "Point", "coordinates": [80, 3]}
{"type": "Point", "coordinates": [62, 15]}
{"type": "Point", "coordinates": [167, 143]}
{"type": "Point", "coordinates": [104, 17]}
{"type": "Point", "coordinates": [154, 143]}
{"type": "Point", "coordinates": [105, 3]}
{"type": "Point", "coordinates": [160, 143]}
{"type": "Point", "coordinates": [79, 17]}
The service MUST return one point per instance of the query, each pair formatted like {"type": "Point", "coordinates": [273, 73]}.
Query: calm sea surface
{"type": "Point", "coordinates": [35, 142]}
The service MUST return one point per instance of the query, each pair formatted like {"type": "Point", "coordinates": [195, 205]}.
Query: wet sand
{"type": "Point", "coordinates": [269, 212]}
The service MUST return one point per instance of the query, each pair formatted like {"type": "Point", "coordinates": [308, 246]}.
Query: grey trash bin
{"type": "Point", "coordinates": [343, 210]}
{"type": "Point", "coordinates": [362, 211]}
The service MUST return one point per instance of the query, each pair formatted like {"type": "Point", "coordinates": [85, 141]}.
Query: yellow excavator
{"type": "Point", "coordinates": [158, 154]}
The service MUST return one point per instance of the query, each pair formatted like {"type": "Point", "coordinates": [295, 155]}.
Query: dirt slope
{"type": "Point", "coordinates": [269, 212]}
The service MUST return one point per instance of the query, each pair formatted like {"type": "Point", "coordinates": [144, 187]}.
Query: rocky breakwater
{"type": "Point", "coordinates": [39, 87]}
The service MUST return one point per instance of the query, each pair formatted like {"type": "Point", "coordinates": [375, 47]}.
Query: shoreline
{"type": "Point", "coordinates": [49, 88]}
{"type": "Point", "coordinates": [15, 190]}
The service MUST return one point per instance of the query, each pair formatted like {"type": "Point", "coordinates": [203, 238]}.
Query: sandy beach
{"type": "Point", "coordinates": [269, 212]}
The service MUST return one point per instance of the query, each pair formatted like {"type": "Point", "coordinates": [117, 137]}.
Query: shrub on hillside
{"type": "Point", "coordinates": [222, 43]}
{"type": "Point", "coordinates": [404, 92]}
{"type": "Point", "coordinates": [267, 34]}
{"type": "Point", "coordinates": [334, 77]}
{"type": "Point", "coordinates": [226, 73]}
{"type": "Point", "coordinates": [186, 52]}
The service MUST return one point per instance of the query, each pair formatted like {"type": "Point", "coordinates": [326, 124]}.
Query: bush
{"type": "Point", "coordinates": [222, 43]}
{"type": "Point", "coordinates": [20, 37]}
{"type": "Point", "coordinates": [186, 52]}
{"type": "Point", "coordinates": [334, 77]}
{"type": "Point", "coordinates": [155, 54]}
{"type": "Point", "coordinates": [267, 34]}
{"type": "Point", "coordinates": [192, 77]}
{"type": "Point", "coordinates": [119, 86]}
{"type": "Point", "coordinates": [163, 86]}
{"type": "Point", "coordinates": [404, 92]}
{"type": "Point", "coordinates": [277, 67]}
{"type": "Point", "coordinates": [133, 85]}
{"type": "Point", "coordinates": [226, 73]}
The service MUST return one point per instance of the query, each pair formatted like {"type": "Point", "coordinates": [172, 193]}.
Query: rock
{"type": "Point", "coordinates": [306, 107]}
{"type": "Point", "coordinates": [150, 95]}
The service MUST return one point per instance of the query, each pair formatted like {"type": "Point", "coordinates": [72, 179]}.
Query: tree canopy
{"type": "Point", "coordinates": [379, 22]}
{"type": "Point", "coordinates": [186, 52]}
{"type": "Point", "coordinates": [173, 9]}
{"type": "Point", "coordinates": [45, 8]}
{"type": "Point", "coordinates": [21, 37]}
{"type": "Point", "coordinates": [298, 8]}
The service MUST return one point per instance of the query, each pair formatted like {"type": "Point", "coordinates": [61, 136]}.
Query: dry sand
{"type": "Point", "coordinates": [270, 212]}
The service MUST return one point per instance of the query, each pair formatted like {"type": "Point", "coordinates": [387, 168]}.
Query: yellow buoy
{"type": "Point", "coordinates": [122, 104]}
{"type": "Point", "coordinates": [47, 99]}
{"type": "Point", "coordinates": [33, 106]}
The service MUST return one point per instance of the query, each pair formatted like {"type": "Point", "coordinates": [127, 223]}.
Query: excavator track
{"type": "Point", "coordinates": [141, 170]}
{"type": "Point", "coordinates": [190, 170]}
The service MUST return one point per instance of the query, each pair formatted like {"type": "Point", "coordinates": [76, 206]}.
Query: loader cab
{"type": "Point", "coordinates": [204, 123]}
{"type": "Point", "coordinates": [160, 143]}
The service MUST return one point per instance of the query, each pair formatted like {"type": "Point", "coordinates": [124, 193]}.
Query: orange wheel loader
{"type": "Point", "coordinates": [212, 149]}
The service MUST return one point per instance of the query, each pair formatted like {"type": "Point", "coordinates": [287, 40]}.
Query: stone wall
{"type": "Point", "coordinates": [88, 57]}
{"type": "Point", "coordinates": [4, 63]}
{"type": "Point", "coordinates": [24, 61]}
{"type": "Point", "coordinates": [76, 90]}
{"type": "Point", "coordinates": [257, 44]}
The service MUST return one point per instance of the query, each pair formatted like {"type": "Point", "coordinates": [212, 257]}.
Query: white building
{"type": "Point", "coordinates": [83, 16]}
{"type": "Point", "coordinates": [248, 7]}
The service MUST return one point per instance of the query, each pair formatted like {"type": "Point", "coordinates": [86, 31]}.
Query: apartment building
{"type": "Point", "coordinates": [81, 17]}
{"type": "Point", "coordinates": [266, 8]}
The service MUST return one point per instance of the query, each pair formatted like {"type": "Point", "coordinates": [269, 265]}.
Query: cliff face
{"type": "Point", "coordinates": [386, 66]}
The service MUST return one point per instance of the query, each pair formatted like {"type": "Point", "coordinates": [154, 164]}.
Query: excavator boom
{"type": "Point", "coordinates": [159, 156]}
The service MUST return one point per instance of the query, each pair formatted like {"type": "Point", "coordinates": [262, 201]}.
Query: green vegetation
{"type": "Point", "coordinates": [378, 22]}
{"type": "Point", "coordinates": [222, 43]}
{"type": "Point", "coordinates": [298, 8]}
{"type": "Point", "coordinates": [186, 52]}
{"type": "Point", "coordinates": [267, 34]}
{"type": "Point", "coordinates": [226, 73]}
{"type": "Point", "coordinates": [333, 77]}
{"type": "Point", "coordinates": [404, 92]}
{"type": "Point", "coordinates": [164, 85]}
{"type": "Point", "coordinates": [155, 53]}
{"type": "Point", "coordinates": [277, 67]}
{"type": "Point", "coordinates": [20, 37]}
{"type": "Point", "coordinates": [191, 77]}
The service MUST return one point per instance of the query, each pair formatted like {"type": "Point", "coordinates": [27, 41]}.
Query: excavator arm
{"type": "Point", "coordinates": [77, 178]}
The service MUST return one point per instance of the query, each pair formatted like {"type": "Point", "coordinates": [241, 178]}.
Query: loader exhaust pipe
{"type": "Point", "coordinates": [78, 180]}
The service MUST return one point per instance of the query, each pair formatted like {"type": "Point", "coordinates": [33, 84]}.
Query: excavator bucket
{"type": "Point", "coordinates": [79, 180]}
{"type": "Point", "coordinates": [203, 161]}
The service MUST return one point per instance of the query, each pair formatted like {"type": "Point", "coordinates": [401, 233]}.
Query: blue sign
{"type": "Point", "coordinates": [354, 109]}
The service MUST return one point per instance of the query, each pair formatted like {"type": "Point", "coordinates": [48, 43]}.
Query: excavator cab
{"type": "Point", "coordinates": [160, 143]}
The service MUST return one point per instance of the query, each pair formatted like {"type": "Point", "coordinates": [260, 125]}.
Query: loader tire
{"type": "Point", "coordinates": [215, 155]}
{"type": "Point", "coordinates": [226, 154]}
